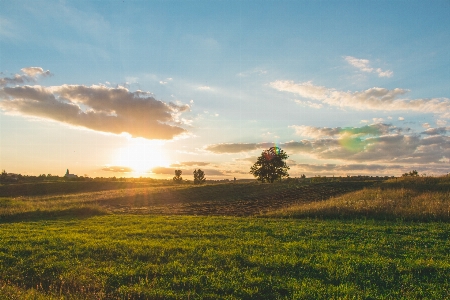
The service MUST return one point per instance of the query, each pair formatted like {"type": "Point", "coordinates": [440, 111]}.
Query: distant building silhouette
{"type": "Point", "coordinates": [68, 175]}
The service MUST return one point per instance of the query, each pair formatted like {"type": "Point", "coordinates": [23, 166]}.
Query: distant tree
{"type": "Point", "coordinates": [271, 165]}
{"type": "Point", "coordinates": [303, 176]}
{"type": "Point", "coordinates": [412, 173]}
{"type": "Point", "coordinates": [199, 176]}
{"type": "Point", "coordinates": [177, 178]}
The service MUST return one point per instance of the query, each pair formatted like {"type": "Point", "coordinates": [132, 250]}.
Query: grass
{"type": "Point", "coordinates": [298, 240]}
{"type": "Point", "coordinates": [181, 257]}
{"type": "Point", "coordinates": [63, 187]}
{"type": "Point", "coordinates": [419, 199]}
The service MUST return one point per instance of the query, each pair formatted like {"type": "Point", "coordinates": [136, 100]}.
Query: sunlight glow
{"type": "Point", "coordinates": [141, 155]}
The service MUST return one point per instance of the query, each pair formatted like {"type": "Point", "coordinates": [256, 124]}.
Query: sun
{"type": "Point", "coordinates": [141, 156]}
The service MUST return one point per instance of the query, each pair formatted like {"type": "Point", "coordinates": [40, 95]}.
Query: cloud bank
{"type": "Point", "coordinates": [376, 143]}
{"type": "Point", "coordinates": [190, 164]}
{"type": "Point", "coordinates": [96, 107]}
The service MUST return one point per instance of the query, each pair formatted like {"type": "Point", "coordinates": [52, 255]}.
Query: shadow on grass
{"type": "Point", "coordinates": [369, 216]}
{"type": "Point", "coordinates": [37, 215]}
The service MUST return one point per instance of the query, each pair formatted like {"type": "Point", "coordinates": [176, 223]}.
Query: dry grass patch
{"type": "Point", "coordinates": [377, 203]}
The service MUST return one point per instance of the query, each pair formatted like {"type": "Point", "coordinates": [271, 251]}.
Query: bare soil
{"type": "Point", "coordinates": [231, 199]}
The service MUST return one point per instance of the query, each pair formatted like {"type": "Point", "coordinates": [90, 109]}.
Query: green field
{"type": "Point", "coordinates": [190, 242]}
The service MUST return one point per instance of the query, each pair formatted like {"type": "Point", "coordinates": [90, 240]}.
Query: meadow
{"type": "Point", "coordinates": [370, 239]}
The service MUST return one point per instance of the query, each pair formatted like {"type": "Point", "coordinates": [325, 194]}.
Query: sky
{"type": "Point", "coordinates": [143, 88]}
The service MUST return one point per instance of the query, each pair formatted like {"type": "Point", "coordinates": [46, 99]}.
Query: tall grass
{"type": "Point", "coordinates": [421, 199]}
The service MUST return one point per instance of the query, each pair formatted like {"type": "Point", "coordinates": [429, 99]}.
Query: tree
{"type": "Point", "coordinates": [270, 165]}
{"type": "Point", "coordinates": [412, 173]}
{"type": "Point", "coordinates": [177, 178]}
{"type": "Point", "coordinates": [3, 176]}
{"type": "Point", "coordinates": [199, 176]}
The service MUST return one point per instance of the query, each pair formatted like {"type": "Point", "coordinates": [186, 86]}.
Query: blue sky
{"type": "Point", "coordinates": [141, 88]}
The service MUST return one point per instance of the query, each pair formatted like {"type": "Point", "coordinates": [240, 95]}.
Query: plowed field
{"type": "Point", "coordinates": [222, 199]}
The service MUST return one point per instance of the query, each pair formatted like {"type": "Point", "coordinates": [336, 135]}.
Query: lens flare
{"type": "Point", "coordinates": [351, 143]}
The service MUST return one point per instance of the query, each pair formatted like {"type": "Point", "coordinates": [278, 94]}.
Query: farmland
{"type": "Point", "coordinates": [289, 240]}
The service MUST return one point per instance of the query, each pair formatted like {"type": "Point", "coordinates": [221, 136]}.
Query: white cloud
{"type": "Point", "coordinates": [30, 74]}
{"type": "Point", "coordinates": [377, 120]}
{"type": "Point", "coordinates": [305, 89]}
{"type": "Point", "coordinates": [96, 107]}
{"type": "Point", "coordinates": [386, 73]}
{"type": "Point", "coordinates": [371, 99]}
{"type": "Point", "coordinates": [364, 65]}
{"type": "Point", "coordinates": [310, 131]}
{"type": "Point", "coordinates": [441, 123]}
{"type": "Point", "coordinates": [401, 118]}
{"type": "Point", "coordinates": [204, 88]}
{"type": "Point", "coordinates": [35, 72]}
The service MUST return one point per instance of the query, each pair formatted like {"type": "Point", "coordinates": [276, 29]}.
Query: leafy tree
{"type": "Point", "coordinates": [199, 176]}
{"type": "Point", "coordinates": [271, 165]}
{"type": "Point", "coordinates": [303, 176]}
{"type": "Point", "coordinates": [177, 178]}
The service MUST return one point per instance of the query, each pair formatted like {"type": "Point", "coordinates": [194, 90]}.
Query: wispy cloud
{"type": "Point", "coordinates": [252, 72]}
{"type": "Point", "coordinates": [190, 164]}
{"type": "Point", "coordinates": [7, 28]}
{"type": "Point", "coordinates": [319, 132]}
{"type": "Point", "coordinates": [371, 99]}
{"type": "Point", "coordinates": [309, 104]}
{"type": "Point", "coordinates": [30, 74]}
{"type": "Point", "coordinates": [365, 66]}
{"type": "Point", "coordinates": [233, 147]}
{"type": "Point", "coordinates": [117, 169]}
{"type": "Point", "coordinates": [96, 107]}
{"type": "Point", "coordinates": [204, 88]}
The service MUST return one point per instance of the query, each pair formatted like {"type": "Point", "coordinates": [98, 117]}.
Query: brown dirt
{"type": "Point", "coordinates": [224, 199]}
